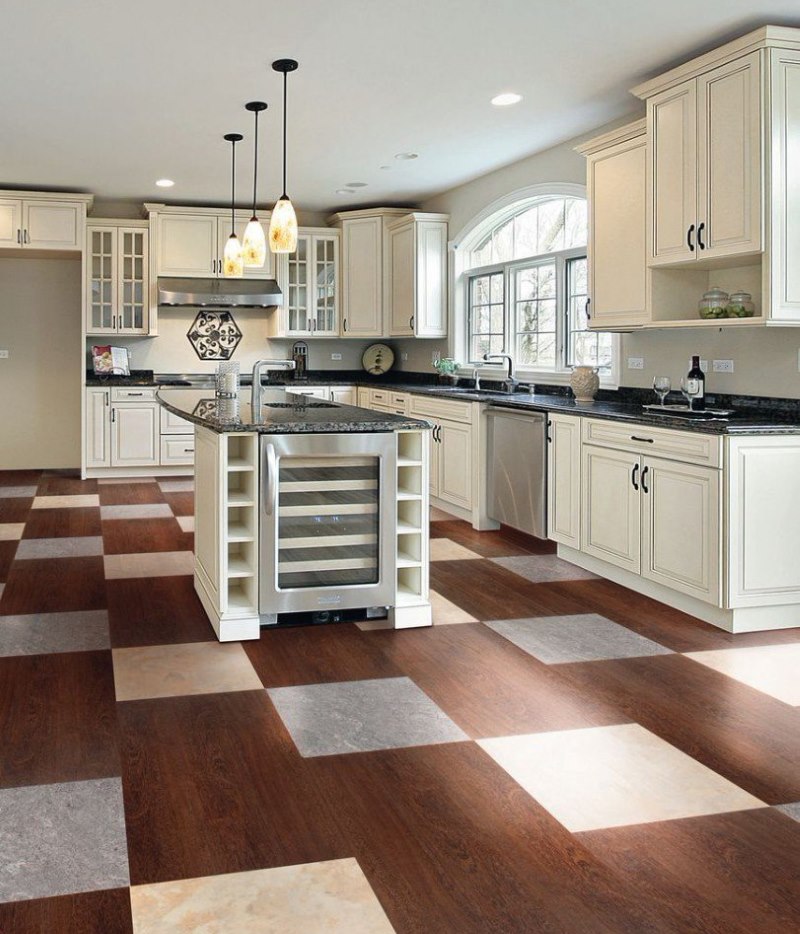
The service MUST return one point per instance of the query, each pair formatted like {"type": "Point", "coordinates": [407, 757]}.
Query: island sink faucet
{"type": "Point", "coordinates": [509, 382]}
{"type": "Point", "coordinates": [264, 366]}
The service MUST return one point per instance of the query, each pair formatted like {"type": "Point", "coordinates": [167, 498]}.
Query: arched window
{"type": "Point", "coordinates": [523, 269]}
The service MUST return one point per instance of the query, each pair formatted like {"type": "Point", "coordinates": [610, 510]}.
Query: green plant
{"type": "Point", "coordinates": [446, 366]}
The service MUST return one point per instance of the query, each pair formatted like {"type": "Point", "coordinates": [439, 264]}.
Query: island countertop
{"type": "Point", "coordinates": [281, 413]}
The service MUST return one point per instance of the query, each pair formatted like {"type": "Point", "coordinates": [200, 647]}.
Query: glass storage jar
{"type": "Point", "coordinates": [714, 304]}
{"type": "Point", "coordinates": [740, 305]}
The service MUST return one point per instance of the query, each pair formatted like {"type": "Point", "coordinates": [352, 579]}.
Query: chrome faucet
{"type": "Point", "coordinates": [255, 392]}
{"type": "Point", "coordinates": [476, 376]}
{"type": "Point", "coordinates": [509, 382]}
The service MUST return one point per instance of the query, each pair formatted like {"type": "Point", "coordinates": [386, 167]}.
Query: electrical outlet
{"type": "Point", "coordinates": [722, 366]}
{"type": "Point", "coordinates": [336, 356]}
{"type": "Point", "coordinates": [635, 363]}
{"type": "Point", "coordinates": [436, 356]}
{"type": "Point", "coordinates": [3, 355]}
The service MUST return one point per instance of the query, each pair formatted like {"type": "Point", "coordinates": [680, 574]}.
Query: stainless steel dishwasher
{"type": "Point", "coordinates": [517, 464]}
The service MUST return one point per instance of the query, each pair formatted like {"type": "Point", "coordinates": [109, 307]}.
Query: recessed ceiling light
{"type": "Point", "coordinates": [406, 155]}
{"type": "Point", "coordinates": [165, 183]}
{"type": "Point", "coordinates": [356, 184]}
{"type": "Point", "coordinates": [345, 191]}
{"type": "Point", "coordinates": [505, 100]}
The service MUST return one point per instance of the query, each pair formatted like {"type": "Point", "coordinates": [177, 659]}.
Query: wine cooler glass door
{"type": "Point", "coordinates": [326, 521]}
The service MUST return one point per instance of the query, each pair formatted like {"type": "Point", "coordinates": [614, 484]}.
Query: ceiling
{"type": "Point", "coordinates": [107, 97]}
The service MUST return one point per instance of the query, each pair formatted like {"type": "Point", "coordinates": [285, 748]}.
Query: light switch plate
{"type": "Point", "coordinates": [3, 355]}
{"type": "Point", "coordinates": [336, 356]}
{"type": "Point", "coordinates": [635, 363]}
{"type": "Point", "coordinates": [722, 366]}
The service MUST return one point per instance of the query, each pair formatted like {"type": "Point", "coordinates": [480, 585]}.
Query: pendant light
{"type": "Point", "coordinates": [283, 223]}
{"type": "Point", "coordinates": [232, 261]}
{"type": "Point", "coordinates": [254, 246]}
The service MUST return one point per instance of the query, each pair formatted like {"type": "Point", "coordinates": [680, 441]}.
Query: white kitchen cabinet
{"type": "Point", "coordinates": [564, 479]}
{"type": "Point", "coordinates": [311, 288]}
{"type": "Point", "coordinates": [117, 279]}
{"type": "Point", "coordinates": [37, 221]}
{"type": "Point", "coordinates": [345, 395]}
{"type": "Point", "coordinates": [10, 223]}
{"type": "Point", "coordinates": [417, 296]}
{"type": "Point", "coordinates": [455, 463]}
{"type": "Point", "coordinates": [135, 434]}
{"type": "Point", "coordinates": [616, 169]}
{"type": "Point", "coordinates": [97, 427]}
{"type": "Point", "coordinates": [706, 171]}
{"type": "Point", "coordinates": [176, 450]}
{"type": "Point", "coordinates": [316, 392]}
{"type": "Point", "coordinates": [610, 520]}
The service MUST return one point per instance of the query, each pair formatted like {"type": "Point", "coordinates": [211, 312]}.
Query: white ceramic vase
{"type": "Point", "coordinates": [584, 382]}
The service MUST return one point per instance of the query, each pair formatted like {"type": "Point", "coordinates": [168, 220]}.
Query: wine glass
{"type": "Point", "coordinates": [691, 389]}
{"type": "Point", "coordinates": [662, 386]}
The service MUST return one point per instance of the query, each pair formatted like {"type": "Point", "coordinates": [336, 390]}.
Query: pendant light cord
{"type": "Point", "coordinates": [233, 188]}
{"type": "Point", "coordinates": [255, 165]}
{"type": "Point", "coordinates": [285, 76]}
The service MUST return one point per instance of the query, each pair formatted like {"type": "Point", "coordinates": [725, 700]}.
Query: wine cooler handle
{"type": "Point", "coordinates": [271, 467]}
{"type": "Point", "coordinates": [634, 472]}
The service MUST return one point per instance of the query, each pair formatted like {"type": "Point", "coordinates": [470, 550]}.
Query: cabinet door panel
{"type": "Point", "coordinates": [187, 245]}
{"type": "Point", "coordinates": [324, 259]}
{"type": "Point", "coordinates": [681, 527]}
{"type": "Point", "coordinates": [672, 117]}
{"type": "Point", "coordinates": [97, 428]}
{"type": "Point", "coordinates": [431, 279]}
{"type": "Point", "coordinates": [564, 480]}
{"type": "Point", "coordinates": [53, 225]}
{"type": "Point", "coordinates": [363, 277]}
{"type": "Point", "coordinates": [101, 285]}
{"type": "Point", "coordinates": [132, 262]}
{"type": "Point", "coordinates": [403, 287]}
{"type": "Point", "coordinates": [135, 435]}
{"type": "Point", "coordinates": [610, 521]}
{"type": "Point", "coordinates": [10, 223]}
{"type": "Point", "coordinates": [729, 157]}
{"type": "Point", "coordinates": [455, 464]}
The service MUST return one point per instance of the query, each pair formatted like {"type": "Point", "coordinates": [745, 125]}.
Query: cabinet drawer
{"type": "Point", "coordinates": [689, 446]}
{"type": "Point", "coordinates": [177, 449]}
{"type": "Point", "coordinates": [379, 396]}
{"type": "Point", "coordinates": [172, 424]}
{"type": "Point", "coordinates": [134, 394]}
{"type": "Point", "coordinates": [431, 407]}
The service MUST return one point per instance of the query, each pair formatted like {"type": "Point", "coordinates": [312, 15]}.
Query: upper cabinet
{"type": "Point", "coordinates": [117, 280]}
{"type": "Point", "coordinates": [190, 242]}
{"type": "Point", "coordinates": [41, 221]}
{"type": "Point", "coordinates": [310, 283]}
{"type": "Point", "coordinates": [615, 186]}
{"type": "Point", "coordinates": [417, 299]}
{"type": "Point", "coordinates": [705, 164]}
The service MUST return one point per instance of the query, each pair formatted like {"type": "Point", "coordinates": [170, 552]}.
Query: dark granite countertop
{"type": "Point", "coordinates": [281, 413]}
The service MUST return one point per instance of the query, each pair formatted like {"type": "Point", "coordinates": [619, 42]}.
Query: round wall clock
{"type": "Point", "coordinates": [377, 359]}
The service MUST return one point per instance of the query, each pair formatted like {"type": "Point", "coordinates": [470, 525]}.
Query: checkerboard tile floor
{"type": "Point", "coordinates": [551, 748]}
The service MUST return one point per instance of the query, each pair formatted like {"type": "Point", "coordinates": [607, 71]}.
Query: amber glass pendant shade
{"type": "Point", "coordinates": [254, 242]}
{"type": "Point", "coordinates": [283, 227]}
{"type": "Point", "coordinates": [232, 258]}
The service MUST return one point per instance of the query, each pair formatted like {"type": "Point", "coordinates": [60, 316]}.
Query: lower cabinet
{"type": "Point", "coordinates": [135, 435]}
{"type": "Point", "coordinates": [611, 523]}
{"type": "Point", "coordinates": [451, 467]}
{"type": "Point", "coordinates": [345, 395]}
{"type": "Point", "coordinates": [564, 479]}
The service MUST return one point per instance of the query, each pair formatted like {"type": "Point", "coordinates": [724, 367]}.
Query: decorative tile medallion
{"type": "Point", "coordinates": [214, 335]}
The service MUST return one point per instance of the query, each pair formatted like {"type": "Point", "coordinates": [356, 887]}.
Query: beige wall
{"type": "Point", "coordinates": [40, 326]}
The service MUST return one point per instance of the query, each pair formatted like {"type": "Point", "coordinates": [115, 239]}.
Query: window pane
{"type": "Point", "coordinates": [503, 243]}
{"type": "Point", "coordinates": [584, 347]}
{"type": "Point", "coordinates": [526, 233]}
{"type": "Point", "coordinates": [575, 223]}
{"type": "Point", "coordinates": [551, 226]}
{"type": "Point", "coordinates": [486, 315]}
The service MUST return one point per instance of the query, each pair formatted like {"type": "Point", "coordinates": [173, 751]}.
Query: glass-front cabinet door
{"type": "Point", "coordinates": [117, 299]}
{"type": "Point", "coordinates": [297, 299]}
{"type": "Point", "coordinates": [101, 298]}
{"type": "Point", "coordinates": [312, 286]}
{"type": "Point", "coordinates": [326, 294]}
{"type": "Point", "coordinates": [132, 279]}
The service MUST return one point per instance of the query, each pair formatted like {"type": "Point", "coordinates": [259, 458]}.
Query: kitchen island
{"type": "Point", "coordinates": [306, 511]}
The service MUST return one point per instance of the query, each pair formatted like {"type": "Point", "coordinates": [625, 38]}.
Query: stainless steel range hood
{"type": "Point", "coordinates": [220, 293]}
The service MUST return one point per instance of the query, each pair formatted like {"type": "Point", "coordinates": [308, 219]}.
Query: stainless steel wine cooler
{"type": "Point", "coordinates": [327, 524]}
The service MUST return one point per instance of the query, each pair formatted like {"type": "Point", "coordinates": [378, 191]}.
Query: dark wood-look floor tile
{"type": "Point", "coordinates": [15, 508]}
{"type": "Point", "coordinates": [449, 842]}
{"type": "Point", "coordinates": [672, 628]}
{"type": "Point", "coordinates": [213, 784]}
{"type": "Point", "coordinates": [57, 718]}
{"type": "Point", "coordinates": [63, 523]}
{"type": "Point", "coordinates": [490, 544]}
{"type": "Point", "coordinates": [748, 737]}
{"type": "Point", "coordinates": [316, 655]}
{"type": "Point", "coordinates": [19, 477]}
{"type": "Point", "coordinates": [104, 912]}
{"type": "Point", "coordinates": [134, 536]}
{"type": "Point", "coordinates": [182, 503]}
{"type": "Point", "coordinates": [129, 494]}
{"type": "Point", "coordinates": [488, 592]}
{"type": "Point", "coordinates": [733, 873]}
{"type": "Point", "coordinates": [155, 611]}
{"type": "Point", "coordinates": [55, 585]}
{"type": "Point", "coordinates": [489, 686]}
{"type": "Point", "coordinates": [65, 483]}
{"type": "Point", "coordinates": [7, 552]}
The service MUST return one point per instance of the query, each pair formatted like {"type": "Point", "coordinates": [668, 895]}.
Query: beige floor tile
{"type": "Point", "coordinates": [443, 549]}
{"type": "Point", "coordinates": [333, 897]}
{"type": "Point", "coordinates": [771, 669]}
{"type": "Point", "coordinates": [11, 531]}
{"type": "Point", "coordinates": [611, 776]}
{"type": "Point", "coordinates": [149, 564]}
{"type": "Point", "coordinates": [78, 501]}
{"type": "Point", "coordinates": [186, 523]}
{"type": "Point", "coordinates": [189, 668]}
{"type": "Point", "coordinates": [370, 625]}
{"type": "Point", "coordinates": [446, 613]}
{"type": "Point", "coordinates": [439, 515]}
{"type": "Point", "coordinates": [182, 485]}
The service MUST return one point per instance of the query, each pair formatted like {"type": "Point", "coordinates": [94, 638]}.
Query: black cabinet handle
{"type": "Point", "coordinates": [411, 322]}
{"type": "Point", "coordinates": [689, 243]}
{"type": "Point", "coordinates": [344, 324]}
{"type": "Point", "coordinates": [549, 436]}
{"type": "Point", "coordinates": [113, 415]}
{"type": "Point", "coordinates": [634, 473]}
{"type": "Point", "coordinates": [645, 440]}
{"type": "Point", "coordinates": [699, 236]}
{"type": "Point", "coordinates": [588, 309]}
{"type": "Point", "coordinates": [644, 485]}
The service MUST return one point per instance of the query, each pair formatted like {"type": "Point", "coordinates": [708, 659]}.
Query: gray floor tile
{"type": "Point", "coordinates": [793, 810]}
{"type": "Point", "coordinates": [361, 716]}
{"type": "Point", "coordinates": [57, 839]}
{"type": "Point", "coordinates": [584, 638]}
{"type": "Point", "coordinates": [6, 492]}
{"type": "Point", "coordinates": [539, 569]}
{"type": "Point", "coordinates": [43, 633]}
{"type": "Point", "coordinates": [77, 547]}
{"type": "Point", "coordinates": [137, 511]}
{"type": "Point", "coordinates": [177, 486]}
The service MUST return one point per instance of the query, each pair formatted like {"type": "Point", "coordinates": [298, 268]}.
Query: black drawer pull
{"type": "Point", "coordinates": [644, 440]}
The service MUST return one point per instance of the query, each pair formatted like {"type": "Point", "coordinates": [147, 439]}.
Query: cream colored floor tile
{"type": "Point", "coordinates": [77, 501]}
{"type": "Point", "coordinates": [333, 897]}
{"type": "Point", "coordinates": [443, 549]}
{"type": "Point", "coordinates": [149, 564]}
{"type": "Point", "coordinates": [11, 531]}
{"type": "Point", "coordinates": [186, 523]}
{"type": "Point", "coordinates": [189, 668]}
{"type": "Point", "coordinates": [370, 625]}
{"type": "Point", "coordinates": [771, 669]}
{"type": "Point", "coordinates": [611, 776]}
{"type": "Point", "coordinates": [177, 486]}
{"type": "Point", "coordinates": [446, 613]}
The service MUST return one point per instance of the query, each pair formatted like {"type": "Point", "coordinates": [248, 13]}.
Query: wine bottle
{"type": "Point", "coordinates": [696, 385]}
